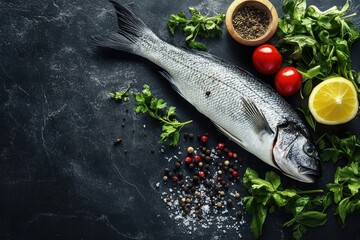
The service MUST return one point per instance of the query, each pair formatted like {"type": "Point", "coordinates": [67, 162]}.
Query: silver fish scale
{"type": "Point", "coordinates": [194, 74]}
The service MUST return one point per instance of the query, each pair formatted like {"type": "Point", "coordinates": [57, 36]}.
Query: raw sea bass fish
{"type": "Point", "coordinates": [247, 111]}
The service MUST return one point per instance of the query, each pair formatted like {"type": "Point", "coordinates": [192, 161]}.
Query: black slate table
{"type": "Point", "coordinates": [60, 175]}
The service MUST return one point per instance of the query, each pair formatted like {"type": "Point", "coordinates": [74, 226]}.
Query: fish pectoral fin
{"type": "Point", "coordinates": [256, 117]}
{"type": "Point", "coordinates": [230, 135]}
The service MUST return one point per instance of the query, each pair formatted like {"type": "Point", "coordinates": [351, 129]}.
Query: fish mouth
{"type": "Point", "coordinates": [311, 173]}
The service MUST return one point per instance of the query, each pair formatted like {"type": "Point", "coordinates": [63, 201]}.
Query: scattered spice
{"type": "Point", "coordinates": [251, 22]}
{"type": "Point", "coordinates": [190, 150]}
{"type": "Point", "coordinates": [204, 194]}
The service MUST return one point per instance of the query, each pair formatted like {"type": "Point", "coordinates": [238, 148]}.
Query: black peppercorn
{"type": "Point", "coordinates": [177, 165]}
{"type": "Point", "coordinates": [191, 136]}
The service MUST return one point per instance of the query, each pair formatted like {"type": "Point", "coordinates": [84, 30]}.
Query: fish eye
{"type": "Point", "coordinates": [309, 149]}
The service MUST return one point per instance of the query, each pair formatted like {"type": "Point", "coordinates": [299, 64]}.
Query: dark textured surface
{"type": "Point", "coordinates": [60, 175]}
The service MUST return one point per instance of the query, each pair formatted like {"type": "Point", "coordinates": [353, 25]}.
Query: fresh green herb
{"type": "Point", "coordinates": [346, 190]}
{"type": "Point", "coordinates": [334, 148]}
{"type": "Point", "coordinates": [318, 41]}
{"type": "Point", "coordinates": [198, 25]}
{"type": "Point", "coordinates": [308, 116]}
{"type": "Point", "coordinates": [122, 95]}
{"type": "Point", "coordinates": [346, 185]}
{"type": "Point", "coordinates": [146, 103]}
{"type": "Point", "coordinates": [267, 195]}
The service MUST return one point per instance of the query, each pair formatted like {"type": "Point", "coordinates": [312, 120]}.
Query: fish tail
{"type": "Point", "coordinates": [131, 29]}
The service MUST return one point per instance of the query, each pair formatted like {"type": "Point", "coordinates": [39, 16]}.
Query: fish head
{"type": "Point", "coordinates": [295, 154]}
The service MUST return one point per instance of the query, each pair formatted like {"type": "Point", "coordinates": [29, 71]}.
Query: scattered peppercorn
{"type": "Point", "coordinates": [175, 179]}
{"type": "Point", "coordinates": [202, 174]}
{"type": "Point", "coordinates": [203, 188]}
{"type": "Point", "coordinates": [191, 136]}
{"type": "Point", "coordinates": [204, 138]}
{"type": "Point", "coordinates": [197, 159]}
{"type": "Point", "coordinates": [221, 146]}
{"type": "Point", "coordinates": [177, 165]}
{"type": "Point", "coordinates": [190, 150]}
{"type": "Point", "coordinates": [207, 93]}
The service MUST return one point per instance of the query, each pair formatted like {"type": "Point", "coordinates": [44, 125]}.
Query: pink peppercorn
{"type": "Point", "coordinates": [197, 159]}
{"type": "Point", "coordinates": [188, 160]}
{"type": "Point", "coordinates": [221, 146]}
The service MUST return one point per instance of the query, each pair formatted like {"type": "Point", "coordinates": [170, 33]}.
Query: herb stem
{"type": "Point", "coordinates": [310, 191]}
{"type": "Point", "coordinates": [349, 16]}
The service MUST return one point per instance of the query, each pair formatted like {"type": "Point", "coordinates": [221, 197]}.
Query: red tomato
{"type": "Point", "coordinates": [288, 81]}
{"type": "Point", "coordinates": [266, 59]}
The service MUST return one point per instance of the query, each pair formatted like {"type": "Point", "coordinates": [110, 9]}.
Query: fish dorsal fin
{"type": "Point", "coordinates": [256, 117]}
{"type": "Point", "coordinates": [230, 135]}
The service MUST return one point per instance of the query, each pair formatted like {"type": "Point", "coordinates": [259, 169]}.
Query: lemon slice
{"type": "Point", "coordinates": [334, 101]}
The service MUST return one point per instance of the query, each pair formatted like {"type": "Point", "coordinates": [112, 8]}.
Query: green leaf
{"type": "Point", "coordinates": [171, 111]}
{"type": "Point", "coordinates": [337, 189]}
{"type": "Point", "coordinates": [121, 95]}
{"type": "Point", "coordinates": [273, 178]}
{"type": "Point", "coordinates": [146, 103]}
{"type": "Point", "coordinates": [299, 231]}
{"type": "Point", "coordinates": [210, 25]}
{"type": "Point", "coordinates": [259, 215]}
{"type": "Point", "coordinates": [260, 183]}
{"type": "Point", "coordinates": [299, 10]}
{"type": "Point", "coordinates": [197, 45]}
{"type": "Point", "coordinates": [197, 26]}
{"type": "Point", "coordinates": [343, 210]}
{"type": "Point", "coordinates": [311, 218]}
{"type": "Point", "coordinates": [301, 203]}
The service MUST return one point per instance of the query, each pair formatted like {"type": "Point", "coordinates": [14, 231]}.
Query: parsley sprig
{"type": "Point", "coordinates": [121, 95]}
{"type": "Point", "coordinates": [157, 108]}
{"type": "Point", "coordinates": [197, 26]}
{"type": "Point", "coordinates": [268, 194]}
{"type": "Point", "coordinates": [346, 185]}
{"type": "Point", "coordinates": [335, 148]}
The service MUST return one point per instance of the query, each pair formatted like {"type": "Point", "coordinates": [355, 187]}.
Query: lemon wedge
{"type": "Point", "coordinates": [334, 101]}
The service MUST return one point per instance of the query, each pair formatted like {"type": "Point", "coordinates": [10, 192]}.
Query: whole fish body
{"type": "Point", "coordinates": [247, 111]}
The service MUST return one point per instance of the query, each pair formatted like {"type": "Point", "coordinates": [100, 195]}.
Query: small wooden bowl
{"type": "Point", "coordinates": [260, 4]}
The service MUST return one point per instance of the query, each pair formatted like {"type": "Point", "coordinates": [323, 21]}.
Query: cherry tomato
{"type": "Point", "coordinates": [288, 81]}
{"type": "Point", "coordinates": [266, 59]}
